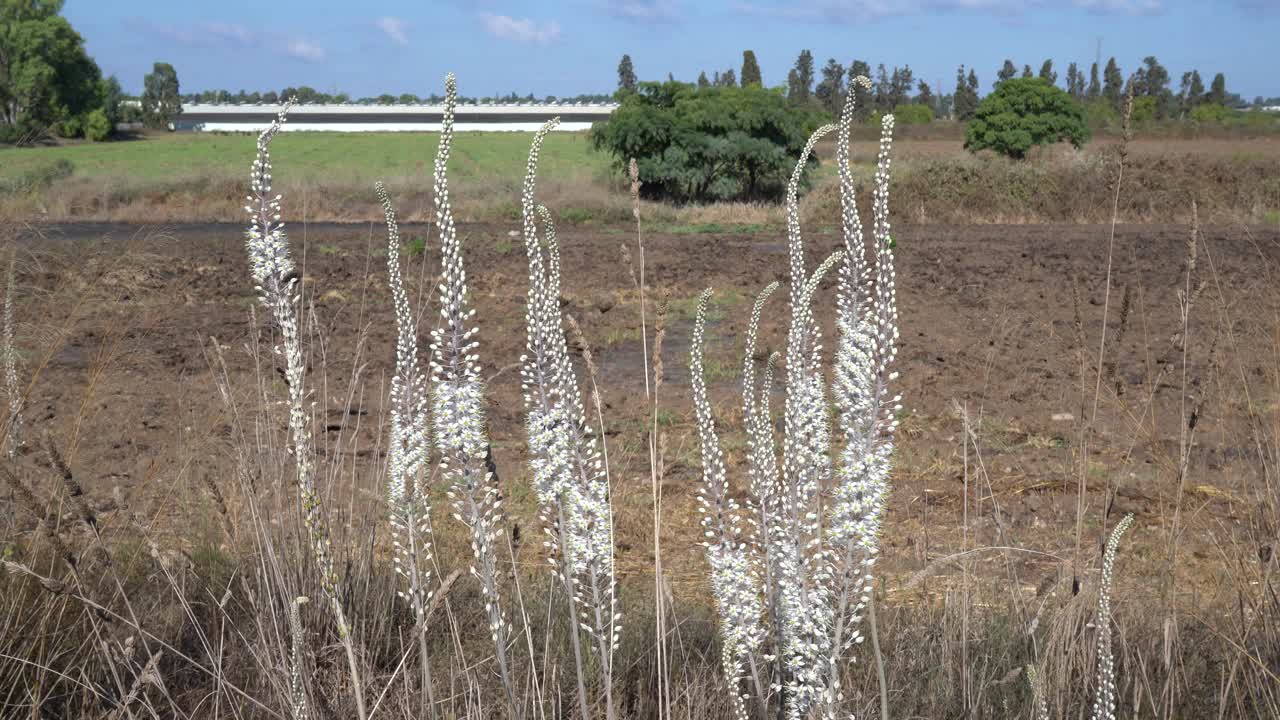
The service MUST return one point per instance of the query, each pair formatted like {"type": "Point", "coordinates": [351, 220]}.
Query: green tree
{"type": "Point", "coordinates": [830, 91]}
{"type": "Point", "coordinates": [965, 100]}
{"type": "Point", "coordinates": [1023, 113]}
{"type": "Point", "coordinates": [1218, 90]}
{"type": "Point", "coordinates": [1007, 72]}
{"type": "Point", "coordinates": [1047, 74]}
{"type": "Point", "coordinates": [703, 82]}
{"type": "Point", "coordinates": [626, 75]}
{"type": "Point", "coordinates": [1026, 71]}
{"type": "Point", "coordinates": [1095, 86]}
{"type": "Point", "coordinates": [1113, 84]}
{"type": "Point", "coordinates": [1075, 82]}
{"type": "Point", "coordinates": [925, 97]}
{"type": "Point", "coordinates": [47, 80]}
{"type": "Point", "coordinates": [707, 145]}
{"type": "Point", "coordinates": [800, 82]}
{"type": "Point", "coordinates": [750, 69]}
{"type": "Point", "coordinates": [900, 84]}
{"type": "Point", "coordinates": [160, 102]}
{"type": "Point", "coordinates": [112, 97]}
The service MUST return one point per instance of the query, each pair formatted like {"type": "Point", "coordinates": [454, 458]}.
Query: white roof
{"type": "Point", "coordinates": [601, 109]}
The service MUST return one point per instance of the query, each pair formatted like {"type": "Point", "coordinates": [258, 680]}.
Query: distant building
{"type": "Point", "coordinates": [217, 117]}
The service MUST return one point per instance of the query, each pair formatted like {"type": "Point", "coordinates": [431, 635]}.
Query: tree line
{"type": "Point", "coordinates": [898, 90]}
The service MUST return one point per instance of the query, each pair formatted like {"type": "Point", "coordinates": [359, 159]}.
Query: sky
{"type": "Point", "coordinates": [571, 47]}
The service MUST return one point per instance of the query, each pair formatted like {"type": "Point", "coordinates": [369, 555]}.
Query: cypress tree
{"type": "Point", "coordinates": [750, 69]}
{"type": "Point", "coordinates": [1113, 87]}
{"type": "Point", "coordinates": [1047, 73]}
{"type": "Point", "coordinates": [626, 75]}
{"type": "Point", "coordinates": [1007, 72]}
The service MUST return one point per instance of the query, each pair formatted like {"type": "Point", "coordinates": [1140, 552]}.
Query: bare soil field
{"type": "Point", "coordinates": [1000, 324]}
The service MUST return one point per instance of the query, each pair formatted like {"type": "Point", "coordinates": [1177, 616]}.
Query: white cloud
{"type": "Point", "coordinates": [520, 29]}
{"type": "Point", "coordinates": [642, 11]}
{"type": "Point", "coordinates": [395, 29]}
{"type": "Point", "coordinates": [224, 35]}
{"type": "Point", "coordinates": [304, 50]}
{"type": "Point", "coordinates": [851, 11]}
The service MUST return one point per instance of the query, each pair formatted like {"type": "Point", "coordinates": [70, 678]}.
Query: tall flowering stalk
{"type": "Point", "coordinates": [458, 415]}
{"type": "Point", "coordinates": [868, 332]}
{"type": "Point", "coordinates": [1104, 704]}
{"type": "Point", "coordinates": [408, 453]}
{"type": "Point", "coordinates": [568, 474]}
{"type": "Point", "coordinates": [9, 355]}
{"type": "Point", "coordinates": [275, 278]}
{"type": "Point", "coordinates": [817, 522]}
{"type": "Point", "coordinates": [735, 577]}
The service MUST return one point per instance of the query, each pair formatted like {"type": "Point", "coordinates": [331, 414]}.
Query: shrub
{"type": "Point", "coordinates": [913, 114]}
{"type": "Point", "coordinates": [1024, 112]}
{"type": "Point", "coordinates": [1211, 113]}
{"type": "Point", "coordinates": [97, 126]}
{"type": "Point", "coordinates": [707, 144]}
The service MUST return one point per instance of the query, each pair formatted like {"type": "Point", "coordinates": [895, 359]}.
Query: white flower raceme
{"type": "Point", "coordinates": [1104, 704]}
{"type": "Point", "coordinates": [805, 568]}
{"type": "Point", "coordinates": [569, 476]}
{"type": "Point", "coordinates": [409, 447]}
{"type": "Point", "coordinates": [734, 575]}
{"type": "Point", "coordinates": [457, 404]}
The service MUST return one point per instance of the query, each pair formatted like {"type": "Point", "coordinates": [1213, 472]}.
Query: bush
{"type": "Point", "coordinates": [1024, 112]}
{"type": "Point", "coordinates": [913, 114]}
{"type": "Point", "coordinates": [707, 144]}
{"type": "Point", "coordinates": [1144, 112]}
{"type": "Point", "coordinates": [97, 127]}
{"type": "Point", "coordinates": [1211, 113]}
{"type": "Point", "coordinates": [71, 127]}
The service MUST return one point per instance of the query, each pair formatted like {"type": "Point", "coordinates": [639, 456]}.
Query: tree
{"type": "Point", "coordinates": [800, 84]}
{"type": "Point", "coordinates": [1218, 90]}
{"type": "Point", "coordinates": [1023, 113]}
{"type": "Point", "coordinates": [112, 97]}
{"type": "Point", "coordinates": [1075, 82]}
{"type": "Point", "coordinates": [1190, 91]}
{"type": "Point", "coordinates": [1026, 71]}
{"type": "Point", "coordinates": [830, 91]}
{"type": "Point", "coordinates": [1095, 87]}
{"type": "Point", "coordinates": [926, 96]}
{"type": "Point", "coordinates": [1007, 72]}
{"type": "Point", "coordinates": [883, 90]}
{"type": "Point", "coordinates": [1047, 74]}
{"type": "Point", "coordinates": [728, 78]}
{"type": "Point", "coordinates": [900, 84]}
{"type": "Point", "coordinates": [750, 69]}
{"type": "Point", "coordinates": [160, 102]}
{"type": "Point", "coordinates": [47, 80]}
{"type": "Point", "coordinates": [965, 101]}
{"type": "Point", "coordinates": [707, 145]}
{"type": "Point", "coordinates": [703, 82]}
{"type": "Point", "coordinates": [861, 95]}
{"type": "Point", "coordinates": [626, 75]}
{"type": "Point", "coordinates": [270, 98]}
{"type": "Point", "coordinates": [1113, 87]}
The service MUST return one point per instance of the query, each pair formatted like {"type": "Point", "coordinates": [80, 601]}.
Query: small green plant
{"type": "Point", "coordinates": [416, 246]}
{"type": "Point", "coordinates": [1022, 113]}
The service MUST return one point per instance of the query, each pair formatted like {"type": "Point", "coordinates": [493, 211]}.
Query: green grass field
{"type": "Point", "coordinates": [355, 158]}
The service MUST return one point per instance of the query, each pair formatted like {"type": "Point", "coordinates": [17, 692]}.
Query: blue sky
{"type": "Point", "coordinates": [564, 48]}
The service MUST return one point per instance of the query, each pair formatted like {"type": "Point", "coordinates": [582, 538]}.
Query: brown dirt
{"type": "Point", "coordinates": [988, 324]}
